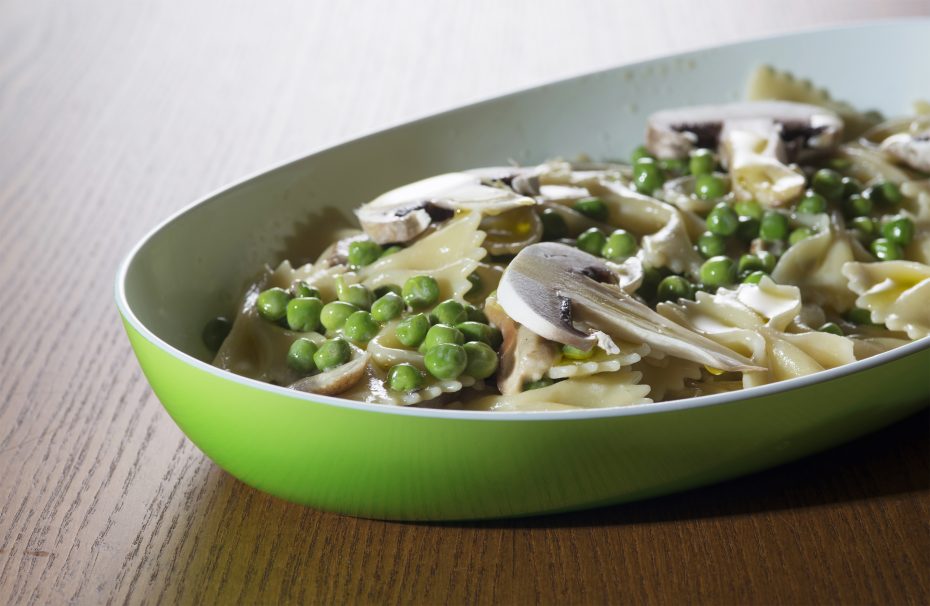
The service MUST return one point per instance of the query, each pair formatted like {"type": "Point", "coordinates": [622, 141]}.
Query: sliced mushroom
{"type": "Point", "coordinates": [522, 180]}
{"type": "Point", "coordinates": [548, 286]}
{"type": "Point", "coordinates": [911, 149]}
{"type": "Point", "coordinates": [524, 355]}
{"type": "Point", "coordinates": [404, 213]}
{"type": "Point", "coordinates": [337, 380]}
{"type": "Point", "coordinates": [802, 128]}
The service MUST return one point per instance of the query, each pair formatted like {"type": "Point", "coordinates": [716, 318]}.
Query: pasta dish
{"type": "Point", "coordinates": [741, 244]}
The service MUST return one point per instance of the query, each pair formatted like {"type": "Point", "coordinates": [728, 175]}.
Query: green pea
{"type": "Point", "coordinates": [591, 241]}
{"type": "Point", "coordinates": [711, 245]}
{"type": "Point", "coordinates": [812, 204]}
{"type": "Point", "coordinates": [272, 304]}
{"type": "Point", "coordinates": [412, 330]}
{"type": "Point", "coordinates": [482, 360]}
{"type": "Point", "coordinates": [449, 312]}
{"type": "Point", "coordinates": [420, 292]}
{"type": "Point", "coordinates": [864, 227]}
{"type": "Point", "coordinates": [773, 227]}
{"type": "Point", "coordinates": [899, 230]}
{"type": "Point", "coordinates": [573, 353]}
{"type": "Point", "coordinates": [390, 250]}
{"type": "Point", "coordinates": [857, 315]}
{"type": "Point", "coordinates": [828, 183]}
{"type": "Point", "coordinates": [619, 245]}
{"type": "Point", "coordinates": [441, 333]}
{"type": "Point", "coordinates": [405, 378]}
{"type": "Point", "coordinates": [839, 163]}
{"type": "Point", "coordinates": [446, 360]}
{"type": "Point", "coordinates": [850, 186]}
{"type": "Point", "coordinates": [748, 229]}
{"type": "Point", "coordinates": [768, 260]}
{"type": "Point", "coordinates": [360, 327]}
{"type": "Point", "coordinates": [639, 153]}
{"type": "Point", "coordinates": [215, 332]}
{"type": "Point", "coordinates": [363, 252]}
{"type": "Point", "coordinates": [801, 233]}
{"type": "Point", "coordinates": [857, 206]}
{"type": "Point", "coordinates": [709, 187]}
{"type": "Point", "coordinates": [702, 162]}
{"type": "Point", "coordinates": [748, 208]}
{"type": "Point", "coordinates": [750, 263]}
{"type": "Point", "coordinates": [831, 327]}
{"type": "Point", "coordinates": [886, 250]}
{"type": "Point", "coordinates": [651, 278]}
{"type": "Point", "coordinates": [754, 278]}
{"type": "Point", "coordinates": [884, 192]}
{"type": "Point", "coordinates": [554, 226]}
{"type": "Point", "coordinates": [672, 288]}
{"type": "Point", "coordinates": [357, 295]}
{"type": "Point", "coordinates": [647, 176]}
{"type": "Point", "coordinates": [387, 307]}
{"type": "Point", "coordinates": [890, 193]}
{"type": "Point", "coordinates": [476, 284]}
{"type": "Point", "coordinates": [385, 289]}
{"type": "Point", "coordinates": [722, 220]}
{"type": "Point", "coordinates": [333, 315]}
{"type": "Point", "coordinates": [497, 338]}
{"type": "Point", "coordinates": [476, 331]}
{"type": "Point", "coordinates": [303, 314]}
{"type": "Point", "coordinates": [302, 289]}
{"type": "Point", "coordinates": [331, 354]}
{"type": "Point", "coordinates": [718, 271]}
{"type": "Point", "coordinates": [673, 166]}
{"type": "Point", "coordinates": [593, 208]}
{"type": "Point", "coordinates": [300, 355]}
{"type": "Point", "coordinates": [544, 382]}
{"type": "Point", "coordinates": [474, 314]}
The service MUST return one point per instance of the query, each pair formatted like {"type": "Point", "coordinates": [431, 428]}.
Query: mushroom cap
{"type": "Point", "coordinates": [337, 380]}
{"type": "Point", "coordinates": [404, 213]}
{"type": "Point", "coordinates": [549, 285]}
{"type": "Point", "coordinates": [673, 133]}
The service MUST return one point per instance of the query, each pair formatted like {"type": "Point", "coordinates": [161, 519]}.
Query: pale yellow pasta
{"type": "Point", "coordinates": [814, 265]}
{"type": "Point", "coordinates": [667, 375]}
{"type": "Point", "coordinates": [751, 320]}
{"type": "Point", "coordinates": [597, 391]}
{"type": "Point", "coordinates": [665, 239]}
{"type": "Point", "coordinates": [449, 254]}
{"type": "Point", "coordinates": [600, 362]}
{"type": "Point", "coordinates": [897, 293]}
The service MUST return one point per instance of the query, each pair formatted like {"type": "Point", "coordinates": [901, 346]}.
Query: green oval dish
{"type": "Point", "coordinates": [422, 464]}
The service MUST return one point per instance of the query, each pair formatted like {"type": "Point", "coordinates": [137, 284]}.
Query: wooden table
{"type": "Point", "coordinates": [115, 114]}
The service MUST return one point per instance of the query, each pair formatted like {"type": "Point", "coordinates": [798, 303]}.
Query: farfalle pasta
{"type": "Point", "coordinates": [743, 244]}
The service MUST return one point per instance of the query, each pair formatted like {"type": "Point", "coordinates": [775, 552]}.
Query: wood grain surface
{"type": "Point", "coordinates": [115, 114]}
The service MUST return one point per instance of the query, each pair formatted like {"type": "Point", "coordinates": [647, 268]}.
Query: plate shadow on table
{"type": "Point", "coordinates": [893, 461]}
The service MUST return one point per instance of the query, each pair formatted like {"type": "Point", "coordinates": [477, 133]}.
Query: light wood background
{"type": "Point", "coordinates": [115, 114]}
